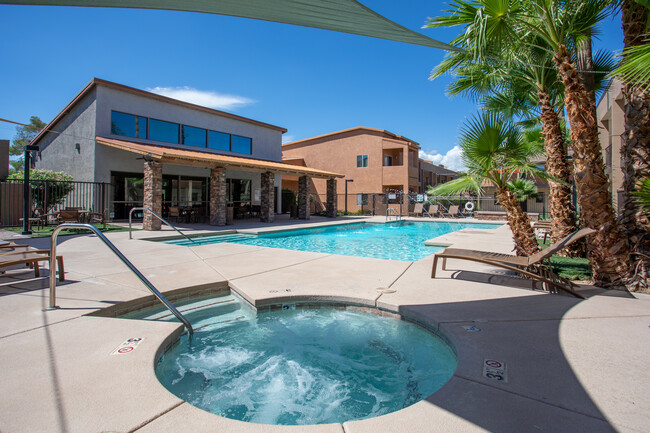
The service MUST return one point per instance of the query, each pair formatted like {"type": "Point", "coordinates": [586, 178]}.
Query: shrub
{"type": "Point", "coordinates": [57, 187]}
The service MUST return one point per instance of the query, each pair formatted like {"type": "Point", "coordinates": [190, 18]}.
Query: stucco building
{"type": "Point", "coordinates": [432, 174]}
{"type": "Point", "coordinates": [372, 161]}
{"type": "Point", "coordinates": [611, 124]}
{"type": "Point", "coordinates": [161, 153]}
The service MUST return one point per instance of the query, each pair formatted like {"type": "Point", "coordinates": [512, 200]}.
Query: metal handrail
{"type": "Point", "coordinates": [390, 210]}
{"type": "Point", "coordinates": [119, 254]}
{"type": "Point", "coordinates": [157, 216]}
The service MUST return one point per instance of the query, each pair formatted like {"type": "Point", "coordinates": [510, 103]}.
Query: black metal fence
{"type": "Point", "coordinates": [404, 203]}
{"type": "Point", "coordinates": [50, 196]}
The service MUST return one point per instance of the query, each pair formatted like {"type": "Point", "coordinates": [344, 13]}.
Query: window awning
{"type": "Point", "coordinates": [195, 158]}
{"type": "Point", "coordinates": [347, 16]}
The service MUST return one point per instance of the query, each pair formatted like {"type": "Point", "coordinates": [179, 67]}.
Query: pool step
{"type": "Point", "coordinates": [206, 312]}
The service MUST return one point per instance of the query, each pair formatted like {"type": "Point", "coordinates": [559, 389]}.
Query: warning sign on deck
{"type": "Point", "coordinates": [127, 346]}
{"type": "Point", "coordinates": [496, 370]}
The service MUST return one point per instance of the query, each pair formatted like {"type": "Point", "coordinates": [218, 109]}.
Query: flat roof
{"type": "Point", "coordinates": [197, 158]}
{"type": "Point", "coordinates": [132, 90]}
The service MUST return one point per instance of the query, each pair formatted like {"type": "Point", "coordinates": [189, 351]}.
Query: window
{"type": "Point", "coordinates": [362, 160]}
{"type": "Point", "coordinates": [123, 124]}
{"type": "Point", "coordinates": [160, 130]}
{"type": "Point", "coordinates": [241, 144]}
{"type": "Point", "coordinates": [194, 136]}
{"type": "Point", "coordinates": [362, 199]}
{"type": "Point", "coordinates": [388, 161]}
{"type": "Point", "coordinates": [218, 140]}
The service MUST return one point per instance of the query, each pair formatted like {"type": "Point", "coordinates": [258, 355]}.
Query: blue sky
{"type": "Point", "coordinates": [309, 81]}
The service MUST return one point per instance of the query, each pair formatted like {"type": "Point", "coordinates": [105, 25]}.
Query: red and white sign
{"type": "Point", "coordinates": [127, 346]}
{"type": "Point", "coordinates": [495, 370]}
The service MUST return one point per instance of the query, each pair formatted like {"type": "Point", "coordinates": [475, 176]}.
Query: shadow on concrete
{"type": "Point", "coordinates": [542, 392]}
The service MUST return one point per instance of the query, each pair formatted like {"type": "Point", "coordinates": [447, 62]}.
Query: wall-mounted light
{"type": "Point", "coordinates": [77, 146]}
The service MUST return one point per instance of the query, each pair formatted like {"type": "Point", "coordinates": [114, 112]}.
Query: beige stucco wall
{"type": "Point", "coordinates": [611, 124]}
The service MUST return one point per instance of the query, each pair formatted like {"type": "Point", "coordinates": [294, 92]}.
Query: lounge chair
{"type": "Point", "coordinates": [417, 210]}
{"type": "Point", "coordinates": [452, 212]}
{"type": "Point", "coordinates": [543, 227]}
{"type": "Point", "coordinates": [434, 210]}
{"type": "Point", "coordinates": [9, 246]}
{"type": "Point", "coordinates": [31, 257]}
{"type": "Point", "coordinates": [531, 266]}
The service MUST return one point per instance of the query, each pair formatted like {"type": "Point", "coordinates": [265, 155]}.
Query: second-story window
{"type": "Point", "coordinates": [362, 160]}
{"type": "Point", "coordinates": [194, 136]}
{"type": "Point", "coordinates": [160, 130]}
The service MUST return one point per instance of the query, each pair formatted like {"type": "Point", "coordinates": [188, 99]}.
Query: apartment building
{"type": "Point", "coordinates": [611, 125]}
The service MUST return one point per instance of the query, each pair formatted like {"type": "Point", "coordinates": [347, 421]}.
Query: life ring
{"type": "Point", "coordinates": [469, 206]}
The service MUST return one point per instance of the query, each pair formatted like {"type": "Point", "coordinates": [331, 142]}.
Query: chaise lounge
{"type": "Point", "coordinates": [532, 266]}
{"type": "Point", "coordinates": [31, 257]}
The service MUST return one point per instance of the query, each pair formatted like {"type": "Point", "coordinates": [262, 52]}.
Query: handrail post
{"type": "Point", "coordinates": [118, 253]}
{"type": "Point", "coordinates": [157, 216]}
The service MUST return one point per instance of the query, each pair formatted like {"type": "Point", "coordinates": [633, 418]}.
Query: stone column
{"type": "Point", "coordinates": [152, 194]}
{"type": "Point", "coordinates": [218, 196]}
{"type": "Point", "coordinates": [267, 213]}
{"type": "Point", "coordinates": [332, 202]}
{"type": "Point", "coordinates": [303, 198]}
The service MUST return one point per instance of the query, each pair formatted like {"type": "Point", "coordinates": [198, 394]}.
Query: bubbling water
{"type": "Point", "coordinates": [308, 366]}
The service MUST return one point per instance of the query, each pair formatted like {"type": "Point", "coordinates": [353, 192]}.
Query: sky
{"type": "Point", "coordinates": [309, 81]}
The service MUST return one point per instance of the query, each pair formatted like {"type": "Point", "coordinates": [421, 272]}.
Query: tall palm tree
{"type": "Point", "coordinates": [495, 153]}
{"type": "Point", "coordinates": [557, 23]}
{"type": "Point", "coordinates": [635, 141]}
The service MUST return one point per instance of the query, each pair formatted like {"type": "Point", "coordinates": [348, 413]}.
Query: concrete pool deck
{"type": "Point", "coordinates": [571, 365]}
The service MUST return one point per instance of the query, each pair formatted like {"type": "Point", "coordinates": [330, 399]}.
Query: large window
{"type": "Point", "coordinates": [362, 199]}
{"type": "Point", "coordinates": [160, 130]}
{"type": "Point", "coordinates": [242, 144]}
{"type": "Point", "coordinates": [128, 125]}
{"type": "Point", "coordinates": [362, 160]}
{"type": "Point", "coordinates": [218, 140]}
{"type": "Point", "coordinates": [194, 136]}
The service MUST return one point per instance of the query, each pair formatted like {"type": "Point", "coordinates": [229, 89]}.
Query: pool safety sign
{"type": "Point", "coordinates": [495, 370]}
{"type": "Point", "coordinates": [127, 346]}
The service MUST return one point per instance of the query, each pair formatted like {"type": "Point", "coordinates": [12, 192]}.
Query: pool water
{"type": "Point", "coordinates": [402, 240]}
{"type": "Point", "coordinates": [307, 366]}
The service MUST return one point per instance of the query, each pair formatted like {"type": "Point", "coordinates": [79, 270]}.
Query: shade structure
{"type": "Point", "coordinates": [347, 16]}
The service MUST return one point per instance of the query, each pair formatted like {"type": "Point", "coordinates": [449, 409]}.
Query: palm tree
{"type": "Point", "coordinates": [558, 23]}
{"type": "Point", "coordinates": [635, 141]}
{"type": "Point", "coordinates": [495, 153]}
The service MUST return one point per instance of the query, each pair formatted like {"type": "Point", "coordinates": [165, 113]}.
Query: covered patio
{"type": "Point", "coordinates": [156, 156]}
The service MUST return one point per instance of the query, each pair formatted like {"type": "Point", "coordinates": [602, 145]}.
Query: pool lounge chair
{"type": "Point", "coordinates": [531, 266]}
{"type": "Point", "coordinates": [452, 212]}
{"type": "Point", "coordinates": [434, 210]}
{"type": "Point", "coordinates": [30, 257]}
{"type": "Point", "coordinates": [417, 210]}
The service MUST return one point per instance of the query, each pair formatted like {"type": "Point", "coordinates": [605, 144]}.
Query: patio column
{"type": "Point", "coordinates": [267, 199]}
{"type": "Point", "coordinates": [152, 194]}
{"type": "Point", "coordinates": [303, 198]}
{"type": "Point", "coordinates": [218, 196]}
{"type": "Point", "coordinates": [332, 202]}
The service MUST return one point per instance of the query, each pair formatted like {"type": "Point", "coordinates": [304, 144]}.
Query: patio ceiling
{"type": "Point", "coordinates": [195, 158]}
{"type": "Point", "coordinates": [347, 16]}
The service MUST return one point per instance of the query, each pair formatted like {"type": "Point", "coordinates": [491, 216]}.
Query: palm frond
{"type": "Point", "coordinates": [635, 68]}
{"type": "Point", "coordinates": [455, 187]}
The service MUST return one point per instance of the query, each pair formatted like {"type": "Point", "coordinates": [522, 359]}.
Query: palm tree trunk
{"type": "Point", "coordinates": [563, 214]}
{"type": "Point", "coordinates": [635, 150]}
{"type": "Point", "coordinates": [609, 253]}
{"type": "Point", "coordinates": [522, 231]}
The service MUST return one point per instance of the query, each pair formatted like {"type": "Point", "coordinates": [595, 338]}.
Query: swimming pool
{"type": "Point", "coordinates": [298, 366]}
{"type": "Point", "coordinates": [401, 240]}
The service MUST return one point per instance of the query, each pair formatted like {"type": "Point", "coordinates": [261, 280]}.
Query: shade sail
{"type": "Point", "coordinates": [195, 158]}
{"type": "Point", "coordinates": [347, 16]}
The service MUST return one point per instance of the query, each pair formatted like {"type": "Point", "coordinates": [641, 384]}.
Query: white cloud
{"type": "Point", "coordinates": [451, 160]}
{"type": "Point", "coordinates": [286, 138]}
{"type": "Point", "coordinates": [204, 98]}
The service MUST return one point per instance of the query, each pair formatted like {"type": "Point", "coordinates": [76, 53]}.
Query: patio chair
{"type": "Point", "coordinates": [31, 258]}
{"type": "Point", "coordinates": [417, 210]}
{"type": "Point", "coordinates": [69, 216]}
{"type": "Point", "coordinates": [543, 227]}
{"type": "Point", "coordinates": [97, 217]}
{"type": "Point", "coordinates": [174, 212]}
{"type": "Point", "coordinates": [531, 267]}
{"type": "Point", "coordinates": [452, 212]}
{"type": "Point", "coordinates": [434, 210]}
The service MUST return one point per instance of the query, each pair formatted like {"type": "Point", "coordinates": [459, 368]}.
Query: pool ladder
{"type": "Point", "coordinates": [390, 212]}
{"type": "Point", "coordinates": [121, 256]}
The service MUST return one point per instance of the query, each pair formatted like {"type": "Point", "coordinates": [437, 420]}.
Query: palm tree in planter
{"type": "Point", "coordinates": [559, 24]}
{"type": "Point", "coordinates": [496, 153]}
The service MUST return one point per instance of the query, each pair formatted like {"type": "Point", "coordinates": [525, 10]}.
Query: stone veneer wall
{"type": "Point", "coordinates": [303, 198]}
{"type": "Point", "coordinates": [152, 194]}
{"type": "Point", "coordinates": [267, 213]}
{"type": "Point", "coordinates": [332, 199]}
{"type": "Point", "coordinates": [218, 196]}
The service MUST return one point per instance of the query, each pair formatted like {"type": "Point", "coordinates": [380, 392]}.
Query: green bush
{"type": "Point", "coordinates": [59, 186]}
